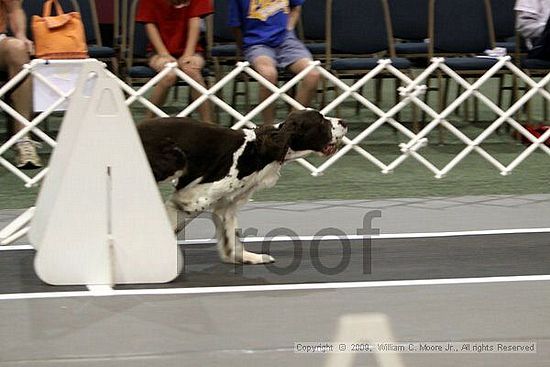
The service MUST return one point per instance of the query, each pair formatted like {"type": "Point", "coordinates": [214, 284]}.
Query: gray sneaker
{"type": "Point", "coordinates": [26, 156]}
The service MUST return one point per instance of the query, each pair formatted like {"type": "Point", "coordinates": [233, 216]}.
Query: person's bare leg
{"type": "Point", "coordinates": [266, 67]}
{"type": "Point", "coordinates": [161, 89]}
{"type": "Point", "coordinates": [193, 67]}
{"type": "Point", "coordinates": [13, 55]}
{"type": "Point", "coordinates": [308, 86]}
{"type": "Point", "coordinates": [160, 92]}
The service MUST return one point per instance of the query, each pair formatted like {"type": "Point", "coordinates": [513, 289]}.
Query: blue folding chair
{"type": "Point", "coordinates": [223, 47]}
{"type": "Point", "coordinates": [96, 49]}
{"type": "Point", "coordinates": [410, 27]}
{"type": "Point", "coordinates": [358, 32]}
{"type": "Point", "coordinates": [461, 31]}
{"type": "Point", "coordinates": [312, 27]}
{"type": "Point", "coordinates": [505, 24]}
{"type": "Point", "coordinates": [353, 34]}
{"type": "Point", "coordinates": [505, 36]}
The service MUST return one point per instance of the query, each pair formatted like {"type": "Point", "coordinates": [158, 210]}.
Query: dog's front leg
{"type": "Point", "coordinates": [230, 247]}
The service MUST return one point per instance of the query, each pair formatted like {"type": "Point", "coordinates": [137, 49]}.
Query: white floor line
{"type": "Point", "coordinates": [100, 290]}
{"type": "Point", "coordinates": [481, 232]}
{"type": "Point", "coordinates": [275, 287]}
{"type": "Point", "coordinates": [16, 247]}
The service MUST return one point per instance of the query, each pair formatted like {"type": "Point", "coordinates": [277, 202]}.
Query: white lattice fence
{"type": "Point", "coordinates": [411, 93]}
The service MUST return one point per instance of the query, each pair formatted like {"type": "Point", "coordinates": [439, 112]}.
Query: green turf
{"type": "Point", "coordinates": [355, 178]}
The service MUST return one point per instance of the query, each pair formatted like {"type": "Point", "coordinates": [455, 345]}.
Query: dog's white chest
{"type": "Point", "coordinates": [197, 197]}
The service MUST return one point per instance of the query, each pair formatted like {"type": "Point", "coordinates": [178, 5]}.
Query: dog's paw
{"type": "Point", "coordinates": [250, 258]}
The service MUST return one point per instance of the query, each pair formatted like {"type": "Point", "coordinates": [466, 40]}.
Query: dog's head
{"type": "Point", "coordinates": [308, 131]}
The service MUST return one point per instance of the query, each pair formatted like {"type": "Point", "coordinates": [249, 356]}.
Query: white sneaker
{"type": "Point", "coordinates": [26, 156]}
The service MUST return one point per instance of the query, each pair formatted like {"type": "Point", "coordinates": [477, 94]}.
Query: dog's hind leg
{"type": "Point", "coordinates": [178, 217]}
{"type": "Point", "coordinates": [172, 211]}
{"type": "Point", "coordinates": [230, 247]}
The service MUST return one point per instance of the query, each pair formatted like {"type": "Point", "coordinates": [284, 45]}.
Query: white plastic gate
{"type": "Point", "coordinates": [411, 93]}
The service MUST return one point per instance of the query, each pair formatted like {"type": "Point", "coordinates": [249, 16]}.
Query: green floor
{"type": "Point", "coordinates": [353, 177]}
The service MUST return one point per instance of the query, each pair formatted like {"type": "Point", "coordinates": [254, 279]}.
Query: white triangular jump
{"type": "Point", "coordinates": [99, 217]}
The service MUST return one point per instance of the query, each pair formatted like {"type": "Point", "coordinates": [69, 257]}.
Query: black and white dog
{"type": "Point", "coordinates": [219, 168]}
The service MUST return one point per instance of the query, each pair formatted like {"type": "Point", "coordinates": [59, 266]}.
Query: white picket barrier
{"type": "Point", "coordinates": [411, 93]}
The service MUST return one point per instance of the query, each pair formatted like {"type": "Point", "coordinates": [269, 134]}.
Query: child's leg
{"type": "Point", "coordinates": [308, 86]}
{"type": "Point", "coordinates": [13, 55]}
{"type": "Point", "coordinates": [293, 54]}
{"type": "Point", "coordinates": [262, 59]}
{"type": "Point", "coordinates": [160, 91]}
{"type": "Point", "coordinates": [192, 66]}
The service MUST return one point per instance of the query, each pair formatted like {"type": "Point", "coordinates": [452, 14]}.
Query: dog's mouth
{"type": "Point", "coordinates": [329, 149]}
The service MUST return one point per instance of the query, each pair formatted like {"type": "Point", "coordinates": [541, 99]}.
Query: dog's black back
{"type": "Point", "coordinates": [200, 150]}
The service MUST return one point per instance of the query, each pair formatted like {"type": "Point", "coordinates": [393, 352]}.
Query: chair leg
{"type": "Point", "coordinates": [176, 92]}
{"type": "Point", "coordinates": [545, 106]}
{"type": "Point", "coordinates": [476, 110]}
{"type": "Point", "coordinates": [475, 104]}
{"type": "Point", "coordinates": [379, 90]}
{"type": "Point", "coordinates": [396, 96]}
{"type": "Point", "coordinates": [447, 89]}
{"type": "Point", "coordinates": [426, 100]}
{"type": "Point", "coordinates": [514, 96]}
{"type": "Point", "coordinates": [114, 65]}
{"type": "Point", "coordinates": [233, 97]}
{"type": "Point", "coordinates": [396, 101]}
{"type": "Point", "coordinates": [288, 106]}
{"type": "Point", "coordinates": [246, 93]}
{"type": "Point", "coordinates": [414, 109]}
{"type": "Point", "coordinates": [336, 94]}
{"type": "Point", "coordinates": [219, 94]}
{"type": "Point", "coordinates": [459, 109]}
{"type": "Point", "coordinates": [357, 104]}
{"type": "Point", "coordinates": [527, 106]}
{"type": "Point", "coordinates": [189, 97]}
{"type": "Point", "coordinates": [441, 105]}
{"type": "Point", "coordinates": [500, 95]}
{"type": "Point", "coordinates": [324, 88]}
{"type": "Point", "coordinates": [415, 123]}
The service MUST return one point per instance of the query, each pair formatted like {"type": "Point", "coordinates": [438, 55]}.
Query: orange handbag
{"type": "Point", "coordinates": [58, 37]}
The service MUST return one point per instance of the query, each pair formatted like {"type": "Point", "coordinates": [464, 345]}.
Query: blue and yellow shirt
{"type": "Point", "coordinates": [263, 22]}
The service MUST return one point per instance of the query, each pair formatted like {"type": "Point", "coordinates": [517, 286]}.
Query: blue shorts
{"type": "Point", "coordinates": [287, 53]}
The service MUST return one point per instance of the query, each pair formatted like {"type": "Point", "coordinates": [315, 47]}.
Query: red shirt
{"type": "Point", "coordinates": [106, 11]}
{"type": "Point", "coordinates": [172, 21]}
{"type": "Point", "coordinates": [3, 17]}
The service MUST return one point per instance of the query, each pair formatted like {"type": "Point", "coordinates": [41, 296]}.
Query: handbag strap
{"type": "Point", "coordinates": [47, 9]}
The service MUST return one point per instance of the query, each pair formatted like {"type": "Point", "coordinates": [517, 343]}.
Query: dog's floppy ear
{"type": "Point", "coordinates": [167, 159]}
{"type": "Point", "coordinates": [272, 144]}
